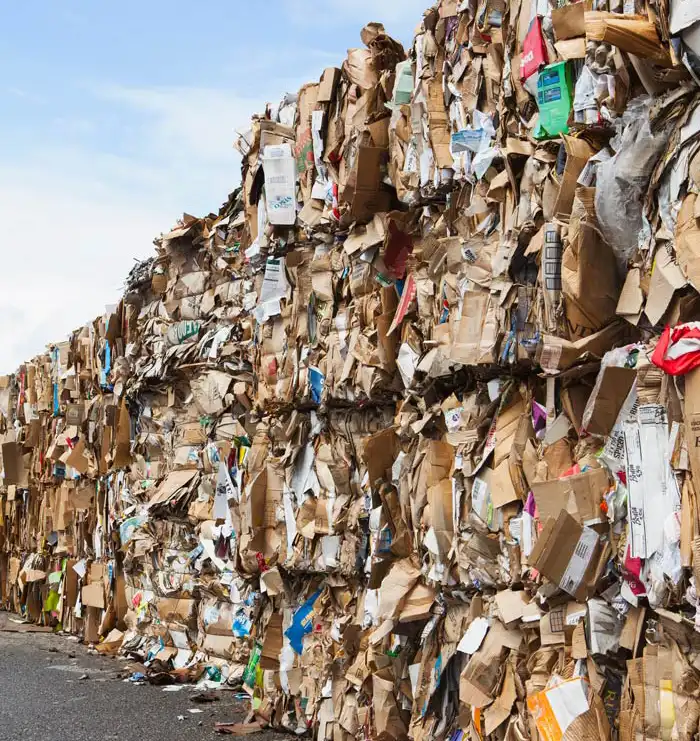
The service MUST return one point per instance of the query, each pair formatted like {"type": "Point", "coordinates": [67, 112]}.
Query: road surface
{"type": "Point", "coordinates": [52, 688]}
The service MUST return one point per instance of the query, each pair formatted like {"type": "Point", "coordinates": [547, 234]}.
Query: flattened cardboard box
{"type": "Point", "coordinates": [93, 595]}
{"type": "Point", "coordinates": [329, 82]}
{"type": "Point", "coordinates": [12, 463]}
{"type": "Point", "coordinates": [570, 555]}
{"type": "Point", "coordinates": [365, 192]}
{"type": "Point", "coordinates": [75, 414]}
{"type": "Point", "coordinates": [579, 495]}
{"type": "Point", "coordinates": [611, 394]}
{"type": "Point", "coordinates": [692, 420]}
{"type": "Point", "coordinates": [176, 610]}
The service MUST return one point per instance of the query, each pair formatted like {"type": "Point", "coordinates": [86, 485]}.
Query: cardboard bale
{"type": "Point", "coordinates": [398, 438]}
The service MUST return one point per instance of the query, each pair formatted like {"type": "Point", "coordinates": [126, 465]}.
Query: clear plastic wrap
{"type": "Point", "coordinates": [622, 181]}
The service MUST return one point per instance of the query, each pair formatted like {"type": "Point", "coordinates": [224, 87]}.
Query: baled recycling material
{"type": "Point", "coordinates": [404, 440]}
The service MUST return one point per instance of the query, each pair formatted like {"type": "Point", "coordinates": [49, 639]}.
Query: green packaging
{"type": "Point", "coordinates": [555, 99]}
{"type": "Point", "coordinates": [250, 673]}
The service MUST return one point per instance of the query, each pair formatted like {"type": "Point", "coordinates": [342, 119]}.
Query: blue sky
{"type": "Point", "coordinates": [117, 117]}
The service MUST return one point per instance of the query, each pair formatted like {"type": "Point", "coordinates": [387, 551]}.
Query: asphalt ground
{"type": "Point", "coordinates": [53, 689]}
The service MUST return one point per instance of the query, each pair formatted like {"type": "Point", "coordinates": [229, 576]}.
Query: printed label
{"type": "Point", "coordinates": [581, 557]}
{"type": "Point", "coordinates": [551, 355]}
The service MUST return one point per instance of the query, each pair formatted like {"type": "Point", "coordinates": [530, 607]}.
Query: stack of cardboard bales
{"type": "Point", "coordinates": [404, 439]}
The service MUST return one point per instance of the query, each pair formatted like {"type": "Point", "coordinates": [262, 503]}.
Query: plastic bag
{"type": "Point", "coordinates": [623, 180]}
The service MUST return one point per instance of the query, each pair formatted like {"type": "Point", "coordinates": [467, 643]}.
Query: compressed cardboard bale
{"type": "Point", "coordinates": [397, 439]}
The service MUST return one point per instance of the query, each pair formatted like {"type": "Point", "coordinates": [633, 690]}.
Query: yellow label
{"type": "Point", "coordinates": [667, 709]}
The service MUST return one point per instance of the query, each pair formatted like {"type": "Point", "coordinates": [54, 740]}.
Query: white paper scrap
{"type": "Point", "coordinates": [474, 637]}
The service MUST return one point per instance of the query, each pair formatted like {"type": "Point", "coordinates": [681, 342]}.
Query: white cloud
{"type": "Point", "coordinates": [68, 242]}
{"type": "Point", "coordinates": [75, 215]}
{"type": "Point", "coordinates": [186, 122]}
{"type": "Point", "coordinates": [74, 219]}
{"type": "Point", "coordinates": [24, 95]}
